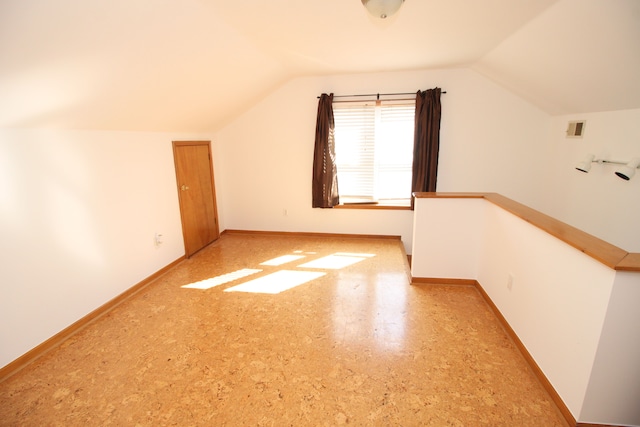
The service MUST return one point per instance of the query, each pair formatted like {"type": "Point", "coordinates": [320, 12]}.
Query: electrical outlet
{"type": "Point", "coordinates": [159, 239]}
{"type": "Point", "coordinates": [284, 212]}
{"type": "Point", "coordinates": [510, 281]}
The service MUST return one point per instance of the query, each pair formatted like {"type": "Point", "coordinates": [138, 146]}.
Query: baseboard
{"type": "Point", "coordinates": [438, 281]}
{"type": "Point", "coordinates": [46, 346]}
{"type": "Point", "coordinates": [564, 410]}
{"type": "Point", "coordinates": [310, 234]}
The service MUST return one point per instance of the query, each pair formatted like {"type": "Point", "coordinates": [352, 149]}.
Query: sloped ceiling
{"type": "Point", "coordinates": [577, 56]}
{"type": "Point", "coordinates": [192, 65]}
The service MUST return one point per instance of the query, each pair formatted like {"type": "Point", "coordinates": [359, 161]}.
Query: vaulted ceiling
{"type": "Point", "coordinates": [192, 65]}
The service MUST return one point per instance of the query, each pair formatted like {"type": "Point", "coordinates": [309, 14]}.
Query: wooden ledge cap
{"type": "Point", "coordinates": [598, 249]}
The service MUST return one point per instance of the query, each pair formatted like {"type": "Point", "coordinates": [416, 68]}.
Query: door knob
{"type": "Point", "coordinates": [184, 187]}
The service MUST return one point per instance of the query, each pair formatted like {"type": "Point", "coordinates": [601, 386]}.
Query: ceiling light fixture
{"type": "Point", "coordinates": [626, 171]}
{"type": "Point", "coordinates": [382, 8]}
{"type": "Point", "coordinates": [585, 165]}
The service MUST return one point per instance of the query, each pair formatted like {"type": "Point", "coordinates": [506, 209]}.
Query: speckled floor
{"type": "Point", "coordinates": [343, 341]}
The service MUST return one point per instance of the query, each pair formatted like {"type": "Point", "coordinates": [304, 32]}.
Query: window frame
{"type": "Point", "coordinates": [355, 202]}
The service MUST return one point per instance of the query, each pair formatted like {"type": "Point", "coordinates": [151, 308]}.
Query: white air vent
{"type": "Point", "coordinates": [576, 129]}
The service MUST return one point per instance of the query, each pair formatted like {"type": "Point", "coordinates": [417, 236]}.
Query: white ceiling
{"type": "Point", "coordinates": [191, 65]}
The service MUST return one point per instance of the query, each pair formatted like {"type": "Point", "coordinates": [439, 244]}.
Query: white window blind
{"type": "Point", "coordinates": [374, 149]}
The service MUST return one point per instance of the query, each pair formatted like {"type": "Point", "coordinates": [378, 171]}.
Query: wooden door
{"type": "Point", "coordinates": [196, 192]}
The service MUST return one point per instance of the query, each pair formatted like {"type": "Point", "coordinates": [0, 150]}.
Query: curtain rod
{"type": "Point", "coordinates": [377, 95]}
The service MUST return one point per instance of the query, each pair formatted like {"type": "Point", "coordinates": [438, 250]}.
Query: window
{"type": "Point", "coordinates": [374, 150]}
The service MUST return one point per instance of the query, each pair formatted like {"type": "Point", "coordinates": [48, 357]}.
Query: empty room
{"type": "Point", "coordinates": [382, 212]}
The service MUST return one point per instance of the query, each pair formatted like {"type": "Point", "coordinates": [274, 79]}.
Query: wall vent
{"type": "Point", "coordinates": [576, 129]}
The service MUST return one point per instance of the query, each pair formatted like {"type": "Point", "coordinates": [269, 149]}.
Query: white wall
{"type": "Point", "coordinates": [598, 202]}
{"type": "Point", "coordinates": [78, 215]}
{"type": "Point", "coordinates": [557, 302]}
{"type": "Point", "coordinates": [490, 141]}
{"type": "Point", "coordinates": [614, 386]}
{"type": "Point", "coordinates": [493, 141]}
{"type": "Point", "coordinates": [442, 228]}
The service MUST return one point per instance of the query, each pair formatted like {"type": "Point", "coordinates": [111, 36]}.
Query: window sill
{"type": "Point", "coordinates": [385, 204]}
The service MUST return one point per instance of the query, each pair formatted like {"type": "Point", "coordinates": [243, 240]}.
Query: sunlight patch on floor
{"type": "Point", "coordinates": [221, 280]}
{"type": "Point", "coordinates": [282, 260]}
{"type": "Point", "coordinates": [336, 261]}
{"type": "Point", "coordinates": [277, 282]}
{"type": "Point", "coordinates": [282, 280]}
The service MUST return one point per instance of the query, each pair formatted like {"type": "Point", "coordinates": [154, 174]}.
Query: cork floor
{"type": "Point", "coordinates": [333, 335]}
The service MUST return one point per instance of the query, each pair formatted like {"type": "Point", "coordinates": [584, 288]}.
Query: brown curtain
{"type": "Point", "coordinates": [426, 141]}
{"type": "Point", "coordinates": [325, 176]}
